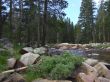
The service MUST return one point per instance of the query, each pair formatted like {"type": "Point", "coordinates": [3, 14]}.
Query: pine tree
{"type": "Point", "coordinates": [3, 16]}
{"type": "Point", "coordinates": [86, 20]}
{"type": "Point", "coordinates": [107, 4]}
{"type": "Point", "coordinates": [100, 23]}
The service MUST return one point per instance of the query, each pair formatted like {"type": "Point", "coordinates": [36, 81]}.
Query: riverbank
{"type": "Point", "coordinates": [22, 59]}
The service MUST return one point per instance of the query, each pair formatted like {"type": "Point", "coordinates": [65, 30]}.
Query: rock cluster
{"type": "Point", "coordinates": [40, 50]}
{"type": "Point", "coordinates": [29, 56]}
{"type": "Point", "coordinates": [94, 71]}
{"type": "Point", "coordinates": [26, 59]}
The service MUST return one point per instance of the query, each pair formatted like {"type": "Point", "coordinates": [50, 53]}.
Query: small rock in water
{"type": "Point", "coordinates": [93, 54]}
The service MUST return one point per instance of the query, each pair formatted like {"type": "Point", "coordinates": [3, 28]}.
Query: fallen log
{"type": "Point", "coordinates": [19, 69]}
{"type": "Point", "coordinates": [15, 70]}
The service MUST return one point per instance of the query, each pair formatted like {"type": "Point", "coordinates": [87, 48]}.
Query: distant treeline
{"type": "Point", "coordinates": [43, 21]}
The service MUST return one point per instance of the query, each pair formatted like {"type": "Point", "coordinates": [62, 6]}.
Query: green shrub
{"type": "Point", "coordinates": [60, 71]}
{"type": "Point", "coordinates": [55, 67]}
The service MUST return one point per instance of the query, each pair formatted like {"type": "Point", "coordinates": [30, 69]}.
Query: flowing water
{"type": "Point", "coordinates": [101, 55]}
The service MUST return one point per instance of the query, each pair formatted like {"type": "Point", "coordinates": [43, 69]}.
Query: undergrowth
{"type": "Point", "coordinates": [55, 67]}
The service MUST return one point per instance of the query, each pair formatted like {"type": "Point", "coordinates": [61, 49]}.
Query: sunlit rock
{"type": "Point", "coordinates": [29, 58]}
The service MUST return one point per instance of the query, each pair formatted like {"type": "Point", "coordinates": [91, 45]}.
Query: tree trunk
{"type": "Point", "coordinates": [44, 23]}
{"type": "Point", "coordinates": [20, 23]}
{"type": "Point", "coordinates": [11, 27]}
{"type": "Point", "coordinates": [58, 37]}
{"type": "Point", "coordinates": [1, 28]}
{"type": "Point", "coordinates": [104, 39]}
{"type": "Point", "coordinates": [38, 28]}
{"type": "Point", "coordinates": [99, 34]}
{"type": "Point", "coordinates": [108, 37]}
{"type": "Point", "coordinates": [93, 35]}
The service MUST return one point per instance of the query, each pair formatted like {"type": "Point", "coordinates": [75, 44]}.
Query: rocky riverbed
{"type": "Point", "coordinates": [91, 70]}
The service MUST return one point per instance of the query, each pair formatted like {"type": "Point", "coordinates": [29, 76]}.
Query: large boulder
{"type": "Point", "coordinates": [11, 62]}
{"type": "Point", "coordinates": [29, 58]}
{"type": "Point", "coordinates": [102, 79]}
{"type": "Point", "coordinates": [15, 77]}
{"type": "Point", "coordinates": [101, 69]}
{"type": "Point", "coordinates": [82, 77]}
{"type": "Point", "coordinates": [91, 62]}
{"type": "Point", "coordinates": [89, 75]}
{"type": "Point", "coordinates": [45, 80]}
{"type": "Point", "coordinates": [41, 50]}
{"type": "Point", "coordinates": [108, 75]}
{"type": "Point", "coordinates": [26, 50]}
{"type": "Point", "coordinates": [89, 70]}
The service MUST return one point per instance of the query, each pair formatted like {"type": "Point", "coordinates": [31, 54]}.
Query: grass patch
{"type": "Point", "coordinates": [1, 46]}
{"type": "Point", "coordinates": [3, 60]}
{"type": "Point", "coordinates": [55, 67]}
{"type": "Point", "coordinates": [4, 55]}
{"type": "Point", "coordinates": [17, 48]}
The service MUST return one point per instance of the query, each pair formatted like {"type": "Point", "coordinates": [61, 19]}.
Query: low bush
{"type": "Point", "coordinates": [55, 67]}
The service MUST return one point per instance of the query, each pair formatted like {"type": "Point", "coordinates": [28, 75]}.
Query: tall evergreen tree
{"type": "Point", "coordinates": [107, 4]}
{"type": "Point", "coordinates": [3, 16]}
{"type": "Point", "coordinates": [86, 20]}
{"type": "Point", "coordinates": [100, 23]}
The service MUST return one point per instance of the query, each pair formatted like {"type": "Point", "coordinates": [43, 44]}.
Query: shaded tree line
{"type": "Point", "coordinates": [94, 23]}
{"type": "Point", "coordinates": [35, 21]}
{"type": "Point", "coordinates": [43, 21]}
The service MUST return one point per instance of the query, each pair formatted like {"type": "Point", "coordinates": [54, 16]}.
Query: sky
{"type": "Point", "coordinates": [73, 9]}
